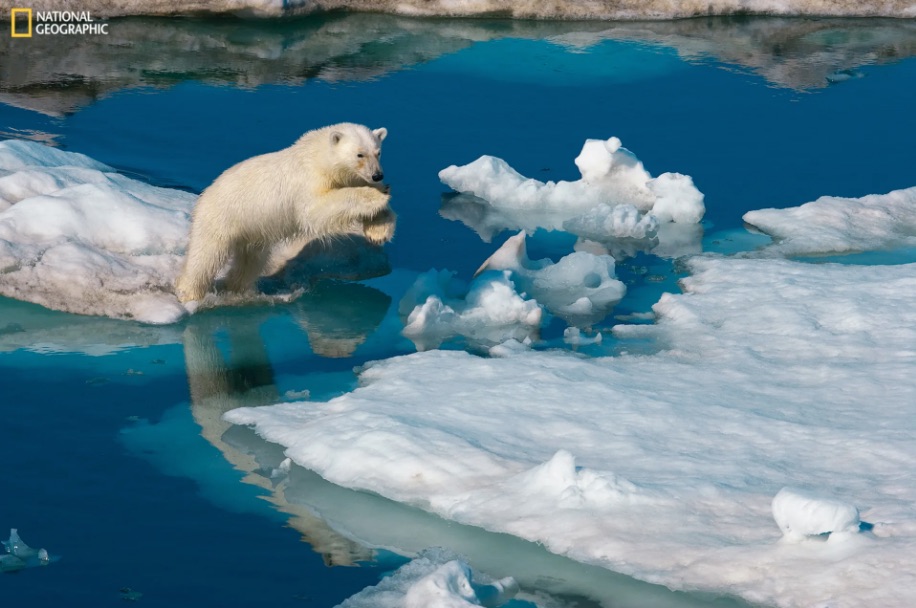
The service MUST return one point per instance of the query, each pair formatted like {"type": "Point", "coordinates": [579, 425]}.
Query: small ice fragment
{"type": "Point", "coordinates": [43, 557]}
{"type": "Point", "coordinates": [16, 547]}
{"type": "Point", "coordinates": [574, 337]}
{"type": "Point", "coordinates": [10, 563]}
{"type": "Point", "coordinates": [498, 592]}
{"type": "Point", "coordinates": [282, 469]}
{"type": "Point", "coordinates": [801, 514]}
{"type": "Point", "coordinates": [297, 395]}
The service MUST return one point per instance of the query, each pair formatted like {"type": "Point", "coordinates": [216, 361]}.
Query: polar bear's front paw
{"type": "Point", "coordinates": [379, 228]}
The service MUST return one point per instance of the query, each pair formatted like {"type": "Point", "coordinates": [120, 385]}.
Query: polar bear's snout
{"type": "Point", "coordinates": [378, 176]}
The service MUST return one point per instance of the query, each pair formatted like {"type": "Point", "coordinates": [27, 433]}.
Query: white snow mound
{"type": "Point", "coordinates": [801, 514]}
{"type": "Point", "coordinates": [77, 237]}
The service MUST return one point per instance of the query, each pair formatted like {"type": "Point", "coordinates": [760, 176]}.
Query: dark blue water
{"type": "Point", "coordinates": [103, 460]}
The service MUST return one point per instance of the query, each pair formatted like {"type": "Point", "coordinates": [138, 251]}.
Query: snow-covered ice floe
{"type": "Point", "coordinates": [668, 467]}
{"type": "Point", "coordinates": [77, 236]}
{"type": "Point", "coordinates": [615, 201]}
{"type": "Point", "coordinates": [434, 578]}
{"type": "Point", "coordinates": [528, 9]}
{"type": "Point", "coordinates": [834, 224]}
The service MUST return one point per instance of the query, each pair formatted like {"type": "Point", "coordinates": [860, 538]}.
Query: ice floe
{"type": "Point", "coordinates": [505, 298]}
{"type": "Point", "coordinates": [834, 224]}
{"type": "Point", "coordinates": [580, 287]}
{"type": "Point", "coordinates": [770, 373]}
{"type": "Point", "coordinates": [616, 201]}
{"type": "Point", "coordinates": [78, 237]}
{"type": "Point", "coordinates": [434, 578]}
{"type": "Point", "coordinates": [488, 311]}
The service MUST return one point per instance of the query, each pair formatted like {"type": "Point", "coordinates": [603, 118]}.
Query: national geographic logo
{"type": "Point", "coordinates": [54, 23]}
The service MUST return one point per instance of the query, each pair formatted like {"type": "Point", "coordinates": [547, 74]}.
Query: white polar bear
{"type": "Point", "coordinates": [262, 211]}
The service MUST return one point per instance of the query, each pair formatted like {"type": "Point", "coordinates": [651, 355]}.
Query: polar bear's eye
{"type": "Point", "coordinates": [360, 155]}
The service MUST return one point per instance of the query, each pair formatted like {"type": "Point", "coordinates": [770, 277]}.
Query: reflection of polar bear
{"type": "Point", "coordinates": [263, 210]}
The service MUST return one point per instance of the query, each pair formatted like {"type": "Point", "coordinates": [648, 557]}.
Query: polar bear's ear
{"type": "Point", "coordinates": [381, 133]}
{"type": "Point", "coordinates": [336, 136]}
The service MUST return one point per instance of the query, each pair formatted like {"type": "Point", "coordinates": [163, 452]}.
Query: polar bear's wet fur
{"type": "Point", "coordinates": [261, 212]}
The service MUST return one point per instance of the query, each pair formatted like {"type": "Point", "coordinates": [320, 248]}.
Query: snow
{"type": "Point", "coordinates": [78, 237]}
{"type": "Point", "coordinates": [840, 225]}
{"type": "Point", "coordinates": [770, 373]}
{"type": "Point", "coordinates": [800, 514]}
{"type": "Point", "coordinates": [434, 578]}
{"type": "Point", "coordinates": [536, 9]}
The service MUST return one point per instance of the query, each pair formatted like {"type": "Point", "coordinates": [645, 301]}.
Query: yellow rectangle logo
{"type": "Point", "coordinates": [13, 30]}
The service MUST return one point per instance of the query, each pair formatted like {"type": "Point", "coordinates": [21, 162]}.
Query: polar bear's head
{"type": "Point", "coordinates": [356, 150]}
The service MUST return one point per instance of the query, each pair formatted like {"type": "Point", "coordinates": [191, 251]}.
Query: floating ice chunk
{"type": "Point", "coordinates": [677, 199]}
{"type": "Point", "coordinates": [20, 555]}
{"type": "Point", "coordinates": [16, 547]}
{"type": "Point", "coordinates": [834, 224]}
{"type": "Point", "coordinates": [573, 336]}
{"type": "Point", "coordinates": [510, 347]}
{"type": "Point", "coordinates": [619, 222]}
{"type": "Point", "coordinates": [801, 514]}
{"type": "Point", "coordinates": [580, 288]}
{"type": "Point", "coordinates": [490, 312]}
{"type": "Point", "coordinates": [611, 176]}
{"type": "Point", "coordinates": [434, 579]}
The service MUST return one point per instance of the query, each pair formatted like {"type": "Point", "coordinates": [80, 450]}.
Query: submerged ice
{"type": "Point", "coordinates": [19, 555]}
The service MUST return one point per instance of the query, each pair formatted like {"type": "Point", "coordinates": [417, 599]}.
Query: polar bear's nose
{"type": "Point", "coordinates": [378, 176]}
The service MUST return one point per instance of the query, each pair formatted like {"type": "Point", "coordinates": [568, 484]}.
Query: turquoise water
{"type": "Point", "coordinates": [114, 456]}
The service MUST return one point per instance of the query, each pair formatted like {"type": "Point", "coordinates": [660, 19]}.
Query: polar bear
{"type": "Point", "coordinates": [262, 211]}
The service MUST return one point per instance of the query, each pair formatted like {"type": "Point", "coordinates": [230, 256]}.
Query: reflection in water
{"type": "Point", "coordinates": [228, 367]}
{"type": "Point", "coordinates": [57, 76]}
{"type": "Point", "coordinates": [671, 241]}
{"type": "Point", "coordinates": [30, 327]}
{"type": "Point", "coordinates": [337, 318]}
